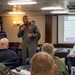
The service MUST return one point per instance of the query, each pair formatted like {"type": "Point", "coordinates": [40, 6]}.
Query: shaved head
{"type": "Point", "coordinates": [42, 63]}
{"type": "Point", "coordinates": [4, 42]}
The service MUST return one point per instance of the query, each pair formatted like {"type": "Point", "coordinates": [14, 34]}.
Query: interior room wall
{"type": "Point", "coordinates": [13, 30]}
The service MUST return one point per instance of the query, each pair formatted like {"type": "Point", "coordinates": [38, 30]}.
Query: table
{"type": "Point", "coordinates": [24, 70]}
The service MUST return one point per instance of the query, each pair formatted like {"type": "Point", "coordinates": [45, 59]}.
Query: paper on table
{"type": "Point", "coordinates": [22, 72]}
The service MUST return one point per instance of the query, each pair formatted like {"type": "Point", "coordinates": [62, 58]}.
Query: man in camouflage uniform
{"type": "Point", "coordinates": [29, 32]}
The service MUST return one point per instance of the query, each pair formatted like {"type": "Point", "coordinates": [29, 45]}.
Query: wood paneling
{"type": "Point", "coordinates": [48, 28]}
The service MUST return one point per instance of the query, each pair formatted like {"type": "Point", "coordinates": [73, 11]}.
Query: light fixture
{"type": "Point", "coordinates": [21, 2]}
{"type": "Point", "coordinates": [71, 13]}
{"type": "Point", "coordinates": [60, 12]}
{"type": "Point", "coordinates": [16, 12]}
{"type": "Point", "coordinates": [16, 23]}
{"type": "Point", "coordinates": [52, 8]}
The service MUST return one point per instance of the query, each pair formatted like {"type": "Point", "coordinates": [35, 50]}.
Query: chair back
{"type": "Point", "coordinates": [12, 65]}
{"type": "Point", "coordinates": [72, 60]}
{"type": "Point", "coordinates": [28, 61]}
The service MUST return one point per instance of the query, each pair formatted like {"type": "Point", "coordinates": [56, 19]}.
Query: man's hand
{"type": "Point", "coordinates": [22, 28]}
{"type": "Point", "coordinates": [29, 35]}
{"type": "Point", "coordinates": [68, 55]}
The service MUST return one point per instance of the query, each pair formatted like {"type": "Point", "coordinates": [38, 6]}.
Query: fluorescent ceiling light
{"type": "Point", "coordinates": [60, 12]}
{"type": "Point", "coordinates": [71, 13]}
{"type": "Point", "coordinates": [52, 8]}
{"type": "Point", "coordinates": [21, 2]}
{"type": "Point", "coordinates": [16, 12]}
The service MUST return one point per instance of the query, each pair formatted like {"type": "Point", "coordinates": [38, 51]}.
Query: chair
{"type": "Point", "coordinates": [12, 65]}
{"type": "Point", "coordinates": [72, 60]}
{"type": "Point", "coordinates": [28, 61]}
{"type": "Point", "coordinates": [20, 61]}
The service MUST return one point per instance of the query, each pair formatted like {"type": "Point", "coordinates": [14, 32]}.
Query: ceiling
{"type": "Point", "coordinates": [36, 8]}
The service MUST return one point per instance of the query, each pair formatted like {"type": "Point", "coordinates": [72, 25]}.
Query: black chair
{"type": "Point", "coordinates": [28, 61]}
{"type": "Point", "coordinates": [72, 60]}
{"type": "Point", "coordinates": [12, 65]}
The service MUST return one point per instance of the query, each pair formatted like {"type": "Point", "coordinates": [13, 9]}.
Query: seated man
{"type": "Point", "coordinates": [49, 48]}
{"type": "Point", "coordinates": [4, 70]}
{"type": "Point", "coordinates": [42, 64]}
{"type": "Point", "coordinates": [6, 55]}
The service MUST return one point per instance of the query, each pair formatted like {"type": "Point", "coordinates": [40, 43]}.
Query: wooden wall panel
{"type": "Point", "coordinates": [48, 28]}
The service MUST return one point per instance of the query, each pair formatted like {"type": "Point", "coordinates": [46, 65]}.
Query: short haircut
{"type": "Point", "coordinates": [48, 47]}
{"type": "Point", "coordinates": [25, 16]}
{"type": "Point", "coordinates": [4, 41]}
{"type": "Point", "coordinates": [42, 63]}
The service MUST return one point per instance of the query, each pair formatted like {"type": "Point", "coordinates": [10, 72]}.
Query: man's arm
{"type": "Point", "coordinates": [36, 33]}
{"type": "Point", "coordinates": [21, 31]}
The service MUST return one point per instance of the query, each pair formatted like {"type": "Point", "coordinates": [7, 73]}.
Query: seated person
{"type": "Point", "coordinates": [6, 55]}
{"type": "Point", "coordinates": [42, 64]}
{"type": "Point", "coordinates": [33, 22]}
{"type": "Point", "coordinates": [4, 70]}
{"type": "Point", "coordinates": [61, 67]}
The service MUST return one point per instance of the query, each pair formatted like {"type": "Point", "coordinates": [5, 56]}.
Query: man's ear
{"type": "Point", "coordinates": [53, 53]}
{"type": "Point", "coordinates": [55, 68]}
{"type": "Point", "coordinates": [8, 45]}
{"type": "Point", "coordinates": [32, 73]}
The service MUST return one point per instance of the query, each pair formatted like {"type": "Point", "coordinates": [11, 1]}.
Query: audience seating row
{"type": "Point", "coordinates": [19, 63]}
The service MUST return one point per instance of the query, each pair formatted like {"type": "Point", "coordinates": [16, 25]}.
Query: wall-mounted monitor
{"type": "Point", "coordinates": [66, 29]}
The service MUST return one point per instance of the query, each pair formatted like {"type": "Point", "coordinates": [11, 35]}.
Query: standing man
{"type": "Point", "coordinates": [29, 32]}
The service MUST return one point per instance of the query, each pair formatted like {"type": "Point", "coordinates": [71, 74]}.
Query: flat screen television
{"type": "Point", "coordinates": [66, 29]}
